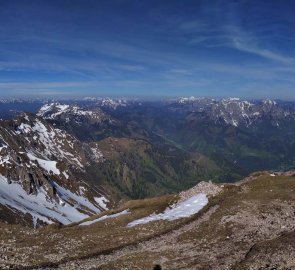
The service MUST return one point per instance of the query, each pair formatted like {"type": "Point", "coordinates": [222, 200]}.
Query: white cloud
{"type": "Point", "coordinates": [244, 46]}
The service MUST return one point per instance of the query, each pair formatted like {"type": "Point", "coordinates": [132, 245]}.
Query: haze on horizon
{"type": "Point", "coordinates": [241, 48]}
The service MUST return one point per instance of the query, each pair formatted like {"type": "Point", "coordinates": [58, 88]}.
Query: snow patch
{"type": "Point", "coordinates": [102, 202]}
{"type": "Point", "coordinates": [39, 205]}
{"type": "Point", "coordinates": [125, 212]}
{"type": "Point", "coordinates": [184, 209]}
{"type": "Point", "coordinates": [67, 195]}
{"type": "Point", "coordinates": [51, 141]}
{"type": "Point", "coordinates": [48, 165]}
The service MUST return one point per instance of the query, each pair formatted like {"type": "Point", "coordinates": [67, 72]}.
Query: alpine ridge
{"type": "Point", "coordinates": [87, 155]}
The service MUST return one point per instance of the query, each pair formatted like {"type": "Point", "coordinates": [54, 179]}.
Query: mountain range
{"type": "Point", "coordinates": [80, 157]}
{"type": "Point", "coordinates": [100, 183]}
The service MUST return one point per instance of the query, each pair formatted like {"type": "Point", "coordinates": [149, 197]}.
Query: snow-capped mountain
{"type": "Point", "coordinates": [38, 172]}
{"type": "Point", "coordinates": [107, 103]}
{"type": "Point", "coordinates": [67, 113]}
{"type": "Point", "coordinates": [236, 112]}
{"type": "Point", "coordinates": [112, 103]}
{"type": "Point", "coordinates": [192, 99]}
{"type": "Point", "coordinates": [73, 154]}
{"type": "Point", "coordinates": [82, 122]}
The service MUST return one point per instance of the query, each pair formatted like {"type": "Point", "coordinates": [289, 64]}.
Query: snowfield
{"type": "Point", "coordinates": [51, 142]}
{"type": "Point", "coordinates": [61, 108]}
{"type": "Point", "coordinates": [40, 207]}
{"type": "Point", "coordinates": [53, 110]}
{"type": "Point", "coordinates": [124, 212]}
{"type": "Point", "coordinates": [184, 209]}
{"type": "Point", "coordinates": [80, 200]}
{"type": "Point", "coordinates": [48, 165]}
{"type": "Point", "coordinates": [102, 202]}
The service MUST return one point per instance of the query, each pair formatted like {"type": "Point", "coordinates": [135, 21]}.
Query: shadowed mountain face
{"type": "Point", "coordinates": [80, 153]}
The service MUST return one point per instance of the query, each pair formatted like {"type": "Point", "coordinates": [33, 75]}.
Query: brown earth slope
{"type": "Point", "coordinates": [250, 225]}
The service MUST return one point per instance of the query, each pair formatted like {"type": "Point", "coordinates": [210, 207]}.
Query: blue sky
{"type": "Point", "coordinates": [148, 48]}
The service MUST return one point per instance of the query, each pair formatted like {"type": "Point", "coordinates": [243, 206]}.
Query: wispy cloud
{"type": "Point", "coordinates": [249, 44]}
{"type": "Point", "coordinates": [44, 88]}
{"type": "Point", "coordinates": [231, 36]}
{"type": "Point", "coordinates": [195, 47]}
{"type": "Point", "coordinates": [24, 85]}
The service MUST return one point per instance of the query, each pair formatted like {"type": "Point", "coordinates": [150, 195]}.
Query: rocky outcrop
{"type": "Point", "coordinates": [46, 163]}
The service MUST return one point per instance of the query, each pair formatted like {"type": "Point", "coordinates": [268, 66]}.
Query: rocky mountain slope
{"type": "Point", "coordinates": [51, 161]}
{"type": "Point", "coordinates": [38, 164]}
{"type": "Point", "coordinates": [248, 225]}
{"type": "Point", "coordinates": [137, 163]}
{"type": "Point", "coordinates": [76, 120]}
{"type": "Point", "coordinates": [104, 149]}
{"type": "Point", "coordinates": [71, 162]}
{"type": "Point", "coordinates": [239, 136]}
{"type": "Point", "coordinates": [237, 112]}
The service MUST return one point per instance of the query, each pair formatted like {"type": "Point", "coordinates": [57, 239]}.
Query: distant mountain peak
{"type": "Point", "coordinates": [39, 162]}
{"type": "Point", "coordinates": [235, 111]}
{"type": "Point", "coordinates": [112, 103]}
{"type": "Point", "coordinates": [57, 111]}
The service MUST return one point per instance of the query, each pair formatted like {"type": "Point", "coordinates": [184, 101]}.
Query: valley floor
{"type": "Point", "coordinates": [250, 225]}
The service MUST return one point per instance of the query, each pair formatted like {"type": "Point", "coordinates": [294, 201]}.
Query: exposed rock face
{"type": "Point", "coordinates": [84, 123]}
{"type": "Point", "coordinates": [44, 161]}
{"type": "Point", "coordinates": [72, 113]}
{"type": "Point", "coordinates": [134, 151]}
{"type": "Point", "coordinates": [112, 103]}
{"type": "Point", "coordinates": [208, 188]}
{"type": "Point", "coordinates": [236, 112]}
